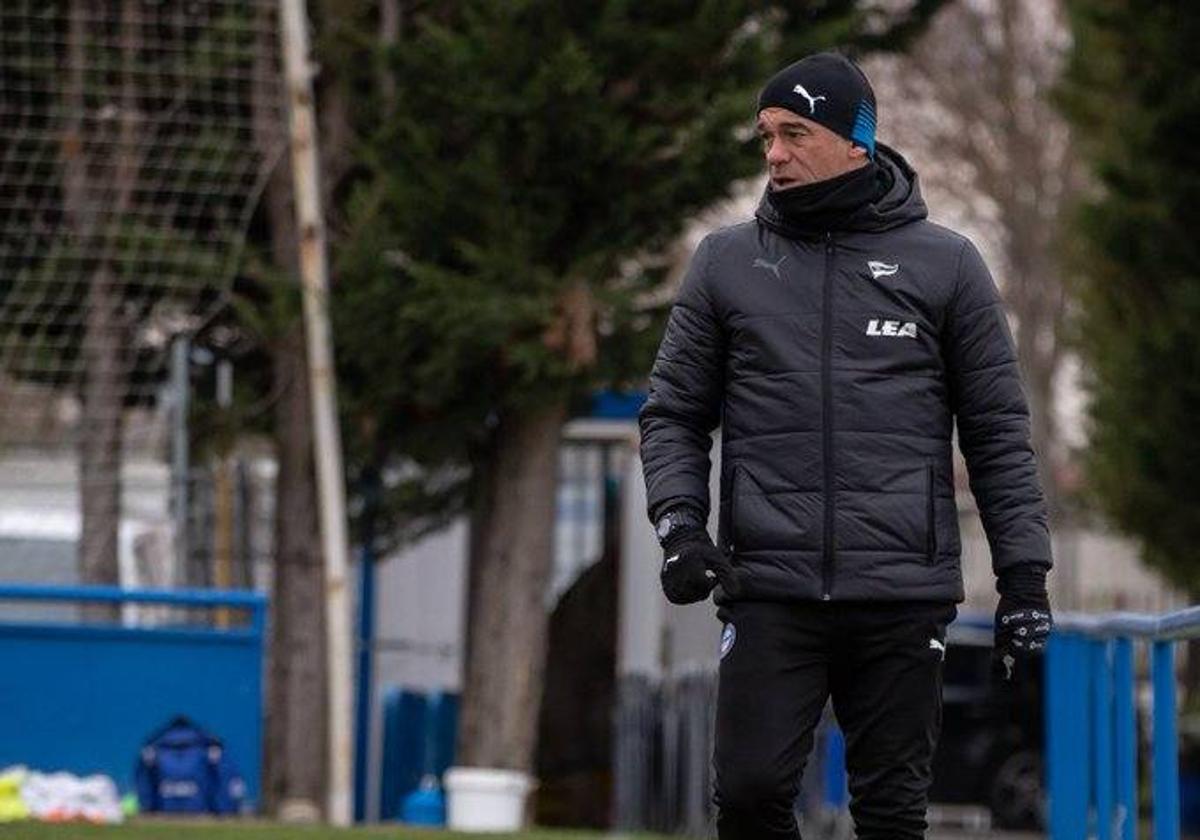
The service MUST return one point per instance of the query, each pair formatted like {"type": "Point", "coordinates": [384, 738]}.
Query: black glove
{"type": "Point", "coordinates": [1023, 623]}
{"type": "Point", "coordinates": [693, 566]}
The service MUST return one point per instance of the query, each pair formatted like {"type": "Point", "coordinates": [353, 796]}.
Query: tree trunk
{"type": "Point", "coordinates": [1040, 352]}
{"type": "Point", "coordinates": [390, 15]}
{"type": "Point", "coordinates": [295, 752]}
{"type": "Point", "coordinates": [297, 744]}
{"type": "Point", "coordinates": [105, 350]}
{"type": "Point", "coordinates": [100, 435]}
{"type": "Point", "coordinates": [511, 551]}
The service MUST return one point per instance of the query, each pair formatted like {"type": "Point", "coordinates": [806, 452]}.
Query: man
{"type": "Point", "coordinates": [836, 339]}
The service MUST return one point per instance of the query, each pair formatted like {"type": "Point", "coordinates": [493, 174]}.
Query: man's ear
{"type": "Point", "coordinates": [857, 152]}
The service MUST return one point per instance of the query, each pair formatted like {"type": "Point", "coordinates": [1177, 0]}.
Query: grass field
{"type": "Point", "coordinates": [177, 830]}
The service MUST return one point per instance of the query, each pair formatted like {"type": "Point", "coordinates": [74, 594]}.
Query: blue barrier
{"type": "Point", "coordinates": [418, 740]}
{"type": "Point", "coordinates": [82, 697]}
{"type": "Point", "coordinates": [1091, 731]}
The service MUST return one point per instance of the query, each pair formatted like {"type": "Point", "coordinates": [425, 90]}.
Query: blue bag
{"type": "Point", "coordinates": [184, 770]}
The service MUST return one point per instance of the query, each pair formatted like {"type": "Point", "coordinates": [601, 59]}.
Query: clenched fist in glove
{"type": "Point", "coordinates": [1023, 622]}
{"type": "Point", "coordinates": [692, 565]}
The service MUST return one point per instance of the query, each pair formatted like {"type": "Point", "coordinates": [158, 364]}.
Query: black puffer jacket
{"type": "Point", "coordinates": [836, 368]}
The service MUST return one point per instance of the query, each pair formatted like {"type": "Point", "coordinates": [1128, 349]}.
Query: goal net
{"type": "Point", "coordinates": [135, 139]}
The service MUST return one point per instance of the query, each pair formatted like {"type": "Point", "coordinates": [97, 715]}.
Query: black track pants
{"type": "Point", "coordinates": [882, 664]}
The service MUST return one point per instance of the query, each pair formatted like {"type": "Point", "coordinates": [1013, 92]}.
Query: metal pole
{"type": "Point", "coordinates": [1165, 752]}
{"type": "Point", "coordinates": [1125, 746]}
{"type": "Point", "coordinates": [1102, 735]}
{"type": "Point", "coordinates": [180, 349]}
{"type": "Point", "coordinates": [223, 496]}
{"type": "Point", "coordinates": [366, 641]}
{"type": "Point", "coordinates": [362, 715]}
{"type": "Point", "coordinates": [1067, 738]}
{"type": "Point", "coordinates": [326, 436]}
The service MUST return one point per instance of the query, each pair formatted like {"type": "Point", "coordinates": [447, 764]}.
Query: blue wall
{"type": "Point", "coordinates": [82, 698]}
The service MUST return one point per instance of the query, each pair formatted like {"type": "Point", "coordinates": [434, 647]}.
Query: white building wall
{"type": "Point", "coordinates": [40, 527]}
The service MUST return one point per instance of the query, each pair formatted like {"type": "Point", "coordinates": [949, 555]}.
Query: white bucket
{"type": "Point", "coordinates": [485, 799]}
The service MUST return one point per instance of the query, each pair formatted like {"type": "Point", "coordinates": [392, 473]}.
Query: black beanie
{"type": "Point", "coordinates": [829, 89]}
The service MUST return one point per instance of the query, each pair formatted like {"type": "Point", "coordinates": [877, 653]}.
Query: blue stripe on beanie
{"type": "Point", "coordinates": [863, 132]}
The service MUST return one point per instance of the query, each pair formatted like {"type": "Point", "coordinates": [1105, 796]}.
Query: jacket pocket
{"type": "Point", "coordinates": [734, 484]}
{"type": "Point", "coordinates": [930, 516]}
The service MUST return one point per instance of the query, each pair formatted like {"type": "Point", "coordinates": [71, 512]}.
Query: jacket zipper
{"type": "Point", "coordinates": [733, 506]}
{"type": "Point", "coordinates": [930, 516]}
{"type": "Point", "coordinates": [827, 420]}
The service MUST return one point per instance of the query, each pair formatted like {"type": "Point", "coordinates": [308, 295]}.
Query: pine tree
{"type": "Point", "coordinates": [1131, 91]}
{"type": "Point", "coordinates": [529, 162]}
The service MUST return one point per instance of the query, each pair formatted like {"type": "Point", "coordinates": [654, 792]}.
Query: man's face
{"type": "Point", "coordinates": [800, 151]}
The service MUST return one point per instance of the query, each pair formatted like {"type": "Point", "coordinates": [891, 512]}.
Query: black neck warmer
{"type": "Point", "coordinates": [814, 209]}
